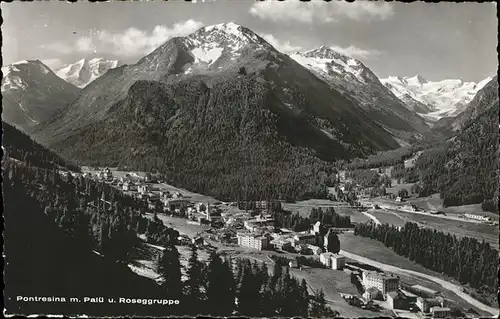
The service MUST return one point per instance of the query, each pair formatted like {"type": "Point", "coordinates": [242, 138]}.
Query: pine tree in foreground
{"type": "Point", "coordinates": [248, 293]}
{"type": "Point", "coordinates": [194, 294]}
{"type": "Point", "coordinates": [169, 268]}
{"type": "Point", "coordinates": [319, 308]}
{"type": "Point", "coordinates": [220, 287]}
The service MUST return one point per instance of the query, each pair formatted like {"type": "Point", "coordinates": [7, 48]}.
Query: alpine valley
{"type": "Point", "coordinates": [200, 106]}
{"type": "Point", "coordinates": [215, 175]}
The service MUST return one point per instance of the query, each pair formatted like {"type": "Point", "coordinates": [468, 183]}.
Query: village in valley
{"type": "Point", "coordinates": [280, 159]}
{"type": "Point", "coordinates": [321, 253]}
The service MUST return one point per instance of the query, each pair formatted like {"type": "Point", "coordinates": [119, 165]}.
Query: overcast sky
{"type": "Point", "coordinates": [437, 41]}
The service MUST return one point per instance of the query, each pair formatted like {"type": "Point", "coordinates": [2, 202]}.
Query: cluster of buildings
{"type": "Point", "coordinates": [105, 174]}
{"type": "Point", "coordinates": [387, 287]}
{"type": "Point", "coordinates": [478, 217]}
{"type": "Point", "coordinates": [260, 233]}
{"type": "Point", "coordinates": [411, 208]}
{"type": "Point", "coordinates": [293, 242]}
{"type": "Point", "coordinates": [261, 222]}
{"type": "Point", "coordinates": [260, 205]}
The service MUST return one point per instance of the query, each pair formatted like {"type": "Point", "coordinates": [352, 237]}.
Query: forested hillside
{"type": "Point", "coordinates": [250, 152]}
{"type": "Point", "coordinates": [21, 147]}
{"type": "Point", "coordinates": [49, 238]}
{"type": "Point", "coordinates": [465, 170]}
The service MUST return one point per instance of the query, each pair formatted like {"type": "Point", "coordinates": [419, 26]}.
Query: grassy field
{"type": "Point", "coordinates": [375, 250]}
{"type": "Point", "coordinates": [449, 223]}
{"type": "Point", "coordinates": [397, 187]}
{"type": "Point", "coordinates": [356, 216]}
{"type": "Point", "coordinates": [332, 282]}
{"type": "Point", "coordinates": [192, 196]}
{"type": "Point", "coordinates": [387, 217]}
{"type": "Point", "coordinates": [479, 231]}
{"type": "Point", "coordinates": [304, 209]}
{"type": "Point", "coordinates": [181, 225]}
{"type": "Point", "coordinates": [434, 202]}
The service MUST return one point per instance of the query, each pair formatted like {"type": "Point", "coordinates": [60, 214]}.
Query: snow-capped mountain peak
{"type": "Point", "coordinates": [31, 93]}
{"type": "Point", "coordinates": [415, 80]}
{"type": "Point", "coordinates": [84, 71]}
{"type": "Point", "coordinates": [208, 43]}
{"type": "Point", "coordinates": [351, 77]}
{"type": "Point", "coordinates": [325, 52]}
{"type": "Point", "coordinates": [214, 48]}
{"type": "Point", "coordinates": [442, 98]}
{"type": "Point", "coordinates": [229, 31]}
{"type": "Point", "coordinates": [327, 61]}
{"type": "Point", "coordinates": [14, 74]}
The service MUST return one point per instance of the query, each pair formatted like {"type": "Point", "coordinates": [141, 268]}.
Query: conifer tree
{"type": "Point", "coordinates": [318, 305]}
{"type": "Point", "coordinates": [248, 294]}
{"type": "Point", "coordinates": [169, 268]}
{"type": "Point", "coordinates": [194, 293]}
{"type": "Point", "coordinates": [220, 287]}
{"type": "Point", "coordinates": [304, 299]}
{"type": "Point", "coordinates": [266, 304]}
{"type": "Point", "coordinates": [333, 243]}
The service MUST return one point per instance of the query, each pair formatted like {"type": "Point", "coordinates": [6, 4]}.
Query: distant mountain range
{"type": "Point", "coordinates": [84, 71]}
{"type": "Point", "coordinates": [223, 102]}
{"type": "Point", "coordinates": [434, 100]}
{"type": "Point", "coordinates": [32, 93]}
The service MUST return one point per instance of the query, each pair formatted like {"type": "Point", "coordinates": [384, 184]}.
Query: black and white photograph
{"type": "Point", "coordinates": [257, 159]}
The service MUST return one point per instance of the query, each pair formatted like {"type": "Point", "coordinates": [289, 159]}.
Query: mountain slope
{"type": "Point", "coordinates": [353, 78]}
{"type": "Point", "coordinates": [32, 93]}
{"type": "Point", "coordinates": [465, 169]}
{"type": "Point", "coordinates": [84, 71]}
{"type": "Point", "coordinates": [484, 99]}
{"type": "Point", "coordinates": [21, 147]}
{"type": "Point", "coordinates": [220, 103]}
{"type": "Point", "coordinates": [434, 100]}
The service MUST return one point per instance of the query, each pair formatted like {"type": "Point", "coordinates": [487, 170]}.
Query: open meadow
{"type": "Point", "coordinates": [480, 231]}
{"type": "Point", "coordinates": [304, 209]}
{"type": "Point", "coordinates": [388, 217]}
